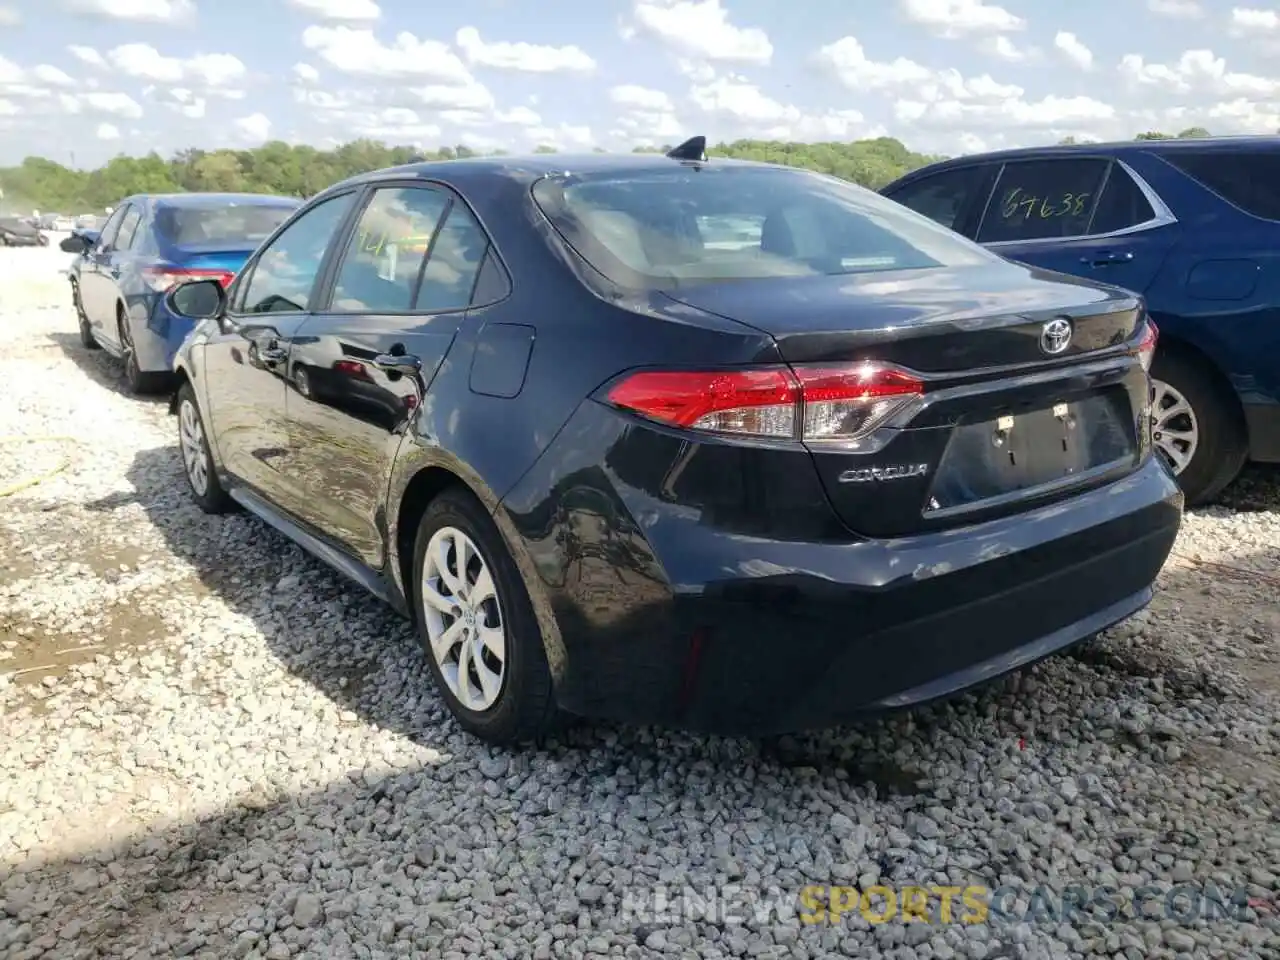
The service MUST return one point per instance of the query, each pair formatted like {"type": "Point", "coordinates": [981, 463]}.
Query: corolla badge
{"type": "Point", "coordinates": [1055, 336]}
{"type": "Point", "coordinates": [897, 471]}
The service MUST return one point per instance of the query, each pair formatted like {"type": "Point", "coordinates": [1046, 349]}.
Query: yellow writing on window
{"type": "Point", "coordinates": [1021, 207]}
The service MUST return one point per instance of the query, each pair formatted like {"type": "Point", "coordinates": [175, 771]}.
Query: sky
{"type": "Point", "coordinates": [84, 80]}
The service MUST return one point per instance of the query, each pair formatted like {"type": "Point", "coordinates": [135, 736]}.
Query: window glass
{"type": "Point", "coordinates": [383, 260]}
{"type": "Point", "coordinates": [656, 227]}
{"type": "Point", "coordinates": [454, 263]}
{"type": "Point", "coordinates": [1250, 179]}
{"type": "Point", "coordinates": [112, 227]}
{"type": "Point", "coordinates": [285, 274]}
{"type": "Point", "coordinates": [247, 224]}
{"type": "Point", "coordinates": [943, 196]}
{"type": "Point", "coordinates": [1043, 199]}
{"type": "Point", "coordinates": [128, 227]}
{"type": "Point", "coordinates": [1121, 205]}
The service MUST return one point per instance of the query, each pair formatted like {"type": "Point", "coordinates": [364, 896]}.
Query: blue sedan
{"type": "Point", "coordinates": [148, 245]}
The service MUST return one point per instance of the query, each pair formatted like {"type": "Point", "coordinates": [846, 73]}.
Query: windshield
{"type": "Point", "coordinates": [656, 228]}
{"type": "Point", "coordinates": [234, 224]}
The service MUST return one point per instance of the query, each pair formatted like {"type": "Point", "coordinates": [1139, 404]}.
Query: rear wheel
{"type": "Point", "coordinates": [197, 461]}
{"type": "Point", "coordinates": [477, 624]}
{"type": "Point", "coordinates": [139, 381]}
{"type": "Point", "coordinates": [1195, 427]}
{"type": "Point", "coordinates": [87, 339]}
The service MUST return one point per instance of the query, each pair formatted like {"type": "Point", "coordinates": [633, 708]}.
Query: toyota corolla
{"type": "Point", "coordinates": [614, 466]}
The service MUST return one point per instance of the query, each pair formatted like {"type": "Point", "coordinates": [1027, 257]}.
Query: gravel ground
{"type": "Point", "coordinates": [213, 747]}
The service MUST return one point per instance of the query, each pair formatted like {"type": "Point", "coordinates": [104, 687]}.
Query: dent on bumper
{"type": "Point", "coordinates": [755, 637]}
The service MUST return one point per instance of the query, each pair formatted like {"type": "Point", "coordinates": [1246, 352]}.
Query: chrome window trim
{"type": "Point", "coordinates": [1163, 215]}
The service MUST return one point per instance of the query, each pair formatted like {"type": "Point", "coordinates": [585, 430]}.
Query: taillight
{"type": "Point", "coordinates": [161, 279]}
{"type": "Point", "coordinates": [812, 403]}
{"type": "Point", "coordinates": [1147, 345]}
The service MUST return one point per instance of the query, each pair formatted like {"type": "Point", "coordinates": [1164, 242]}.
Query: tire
{"type": "Point", "coordinates": [140, 383]}
{"type": "Point", "coordinates": [523, 708]}
{"type": "Point", "coordinates": [87, 339]}
{"type": "Point", "coordinates": [193, 446]}
{"type": "Point", "coordinates": [1221, 444]}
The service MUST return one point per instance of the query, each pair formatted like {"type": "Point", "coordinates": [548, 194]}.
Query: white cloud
{"type": "Point", "coordinates": [754, 113]}
{"type": "Point", "coordinates": [1075, 51]}
{"type": "Point", "coordinates": [10, 72]}
{"type": "Point", "coordinates": [107, 131]}
{"type": "Point", "coordinates": [1196, 72]}
{"type": "Point", "coordinates": [44, 73]}
{"type": "Point", "coordinates": [1253, 24]}
{"type": "Point", "coordinates": [305, 73]}
{"type": "Point", "coordinates": [117, 104]}
{"type": "Point", "coordinates": [1176, 9]}
{"type": "Point", "coordinates": [9, 17]}
{"type": "Point", "coordinates": [564, 136]}
{"type": "Point", "coordinates": [8, 108]}
{"type": "Point", "coordinates": [255, 128]}
{"type": "Point", "coordinates": [641, 98]}
{"type": "Point", "coordinates": [360, 53]}
{"type": "Point", "coordinates": [1002, 47]}
{"type": "Point", "coordinates": [959, 18]}
{"type": "Point", "coordinates": [471, 96]}
{"type": "Point", "coordinates": [349, 10]}
{"type": "Point", "coordinates": [145, 62]}
{"type": "Point", "coordinates": [87, 55]}
{"type": "Point", "coordinates": [522, 57]}
{"type": "Point", "coordinates": [138, 11]}
{"type": "Point", "coordinates": [701, 29]}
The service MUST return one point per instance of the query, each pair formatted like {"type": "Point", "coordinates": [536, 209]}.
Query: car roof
{"type": "Point", "coordinates": [217, 199]}
{"type": "Point", "coordinates": [532, 167]}
{"type": "Point", "coordinates": [1112, 148]}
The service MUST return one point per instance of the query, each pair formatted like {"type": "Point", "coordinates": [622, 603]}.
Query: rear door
{"type": "Point", "coordinates": [96, 286]}
{"type": "Point", "coordinates": [245, 362]}
{"type": "Point", "coordinates": [364, 363]}
{"type": "Point", "coordinates": [122, 279]}
{"type": "Point", "coordinates": [1087, 216]}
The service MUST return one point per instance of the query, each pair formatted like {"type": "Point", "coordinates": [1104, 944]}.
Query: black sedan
{"type": "Point", "coordinates": [18, 233]}
{"type": "Point", "coordinates": [718, 445]}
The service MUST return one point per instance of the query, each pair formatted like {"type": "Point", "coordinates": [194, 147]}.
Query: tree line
{"type": "Point", "coordinates": [39, 183]}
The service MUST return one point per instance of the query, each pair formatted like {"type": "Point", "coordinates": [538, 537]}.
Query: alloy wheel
{"type": "Point", "coordinates": [1174, 427]}
{"type": "Point", "coordinates": [463, 619]}
{"type": "Point", "coordinates": [194, 455]}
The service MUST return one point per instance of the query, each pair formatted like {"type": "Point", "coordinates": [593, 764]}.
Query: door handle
{"type": "Point", "coordinates": [1106, 257]}
{"type": "Point", "coordinates": [272, 354]}
{"type": "Point", "coordinates": [397, 363]}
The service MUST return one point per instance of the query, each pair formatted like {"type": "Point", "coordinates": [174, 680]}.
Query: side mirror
{"type": "Point", "coordinates": [76, 243]}
{"type": "Point", "coordinates": [196, 299]}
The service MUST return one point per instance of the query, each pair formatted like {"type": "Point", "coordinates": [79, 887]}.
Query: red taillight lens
{"type": "Point", "coordinates": [161, 279]}
{"type": "Point", "coordinates": [812, 403]}
{"type": "Point", "coordinates": [1147, 345]}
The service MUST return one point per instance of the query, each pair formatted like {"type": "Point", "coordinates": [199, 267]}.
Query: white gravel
{"type": "Point", "coordinates": [213, 747]}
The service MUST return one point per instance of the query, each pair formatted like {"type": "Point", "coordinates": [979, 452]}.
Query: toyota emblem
{"type": "Point", "coordinates": [1056, 336]}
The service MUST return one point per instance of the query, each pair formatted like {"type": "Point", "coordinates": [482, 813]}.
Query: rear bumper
{"type": "Point", "coordinates": [157, 343]}
{"type": "Point", "coordinates": [688, 626]}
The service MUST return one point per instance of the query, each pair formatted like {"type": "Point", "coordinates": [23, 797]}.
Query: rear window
{"type": "Point", "coordinates": [1250, 180]}
{"type": "Point", "coordinates": [656, 228]}
{"type": "Point", "coordinates": [193, 226]}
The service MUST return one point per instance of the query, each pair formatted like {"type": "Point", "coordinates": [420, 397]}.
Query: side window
{"type": "Point", "coordinates": [454, 264]}
{"type": "Point", "coordinates": [128, 227]}
{"type": "Point", "coordinates": [1121, 205]}
{"type": "Point", "coordinates": [944, 196]}
{"type": "Point", "coordinates": [1250, 180]}
{"type": "Point", "coordinates": [1043, 200]}
{"type": "Point", "coordinates": [384, 257]}
{"type": "Point", "coordinates": [285, 274]}
{"type": "Point", "coordinates": [111, 228]}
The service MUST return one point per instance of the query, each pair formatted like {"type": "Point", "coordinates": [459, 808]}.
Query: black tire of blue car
{"type": "Point", "coordinates": [210, 496]}
{"type": "Point", "coordinates": [139, 382]}
{"type": "Point", "coordinates": [1222, 443]}
{"type": "Point", "coordinates": [525, 710]}
{"type": "Point", "coordinates": [87, 339]}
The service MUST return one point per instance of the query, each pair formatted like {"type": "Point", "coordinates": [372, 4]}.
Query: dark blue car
{"type": "Point", "coordinates": [1193, 226]}
{"type": "Point", "coordinates": [149, 244]}
{"type": "Point", "coordinates": [697, 442]}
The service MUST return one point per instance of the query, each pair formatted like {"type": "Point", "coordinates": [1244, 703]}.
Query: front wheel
{"type": "Point", "coordinates": [1195, 427]}
{"type": "Point", "coordinates": [197, 461]}
{"type": "Point", "coordinates": [477, 625]}
{"type": "Point", "coordinates": [87, 339]}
